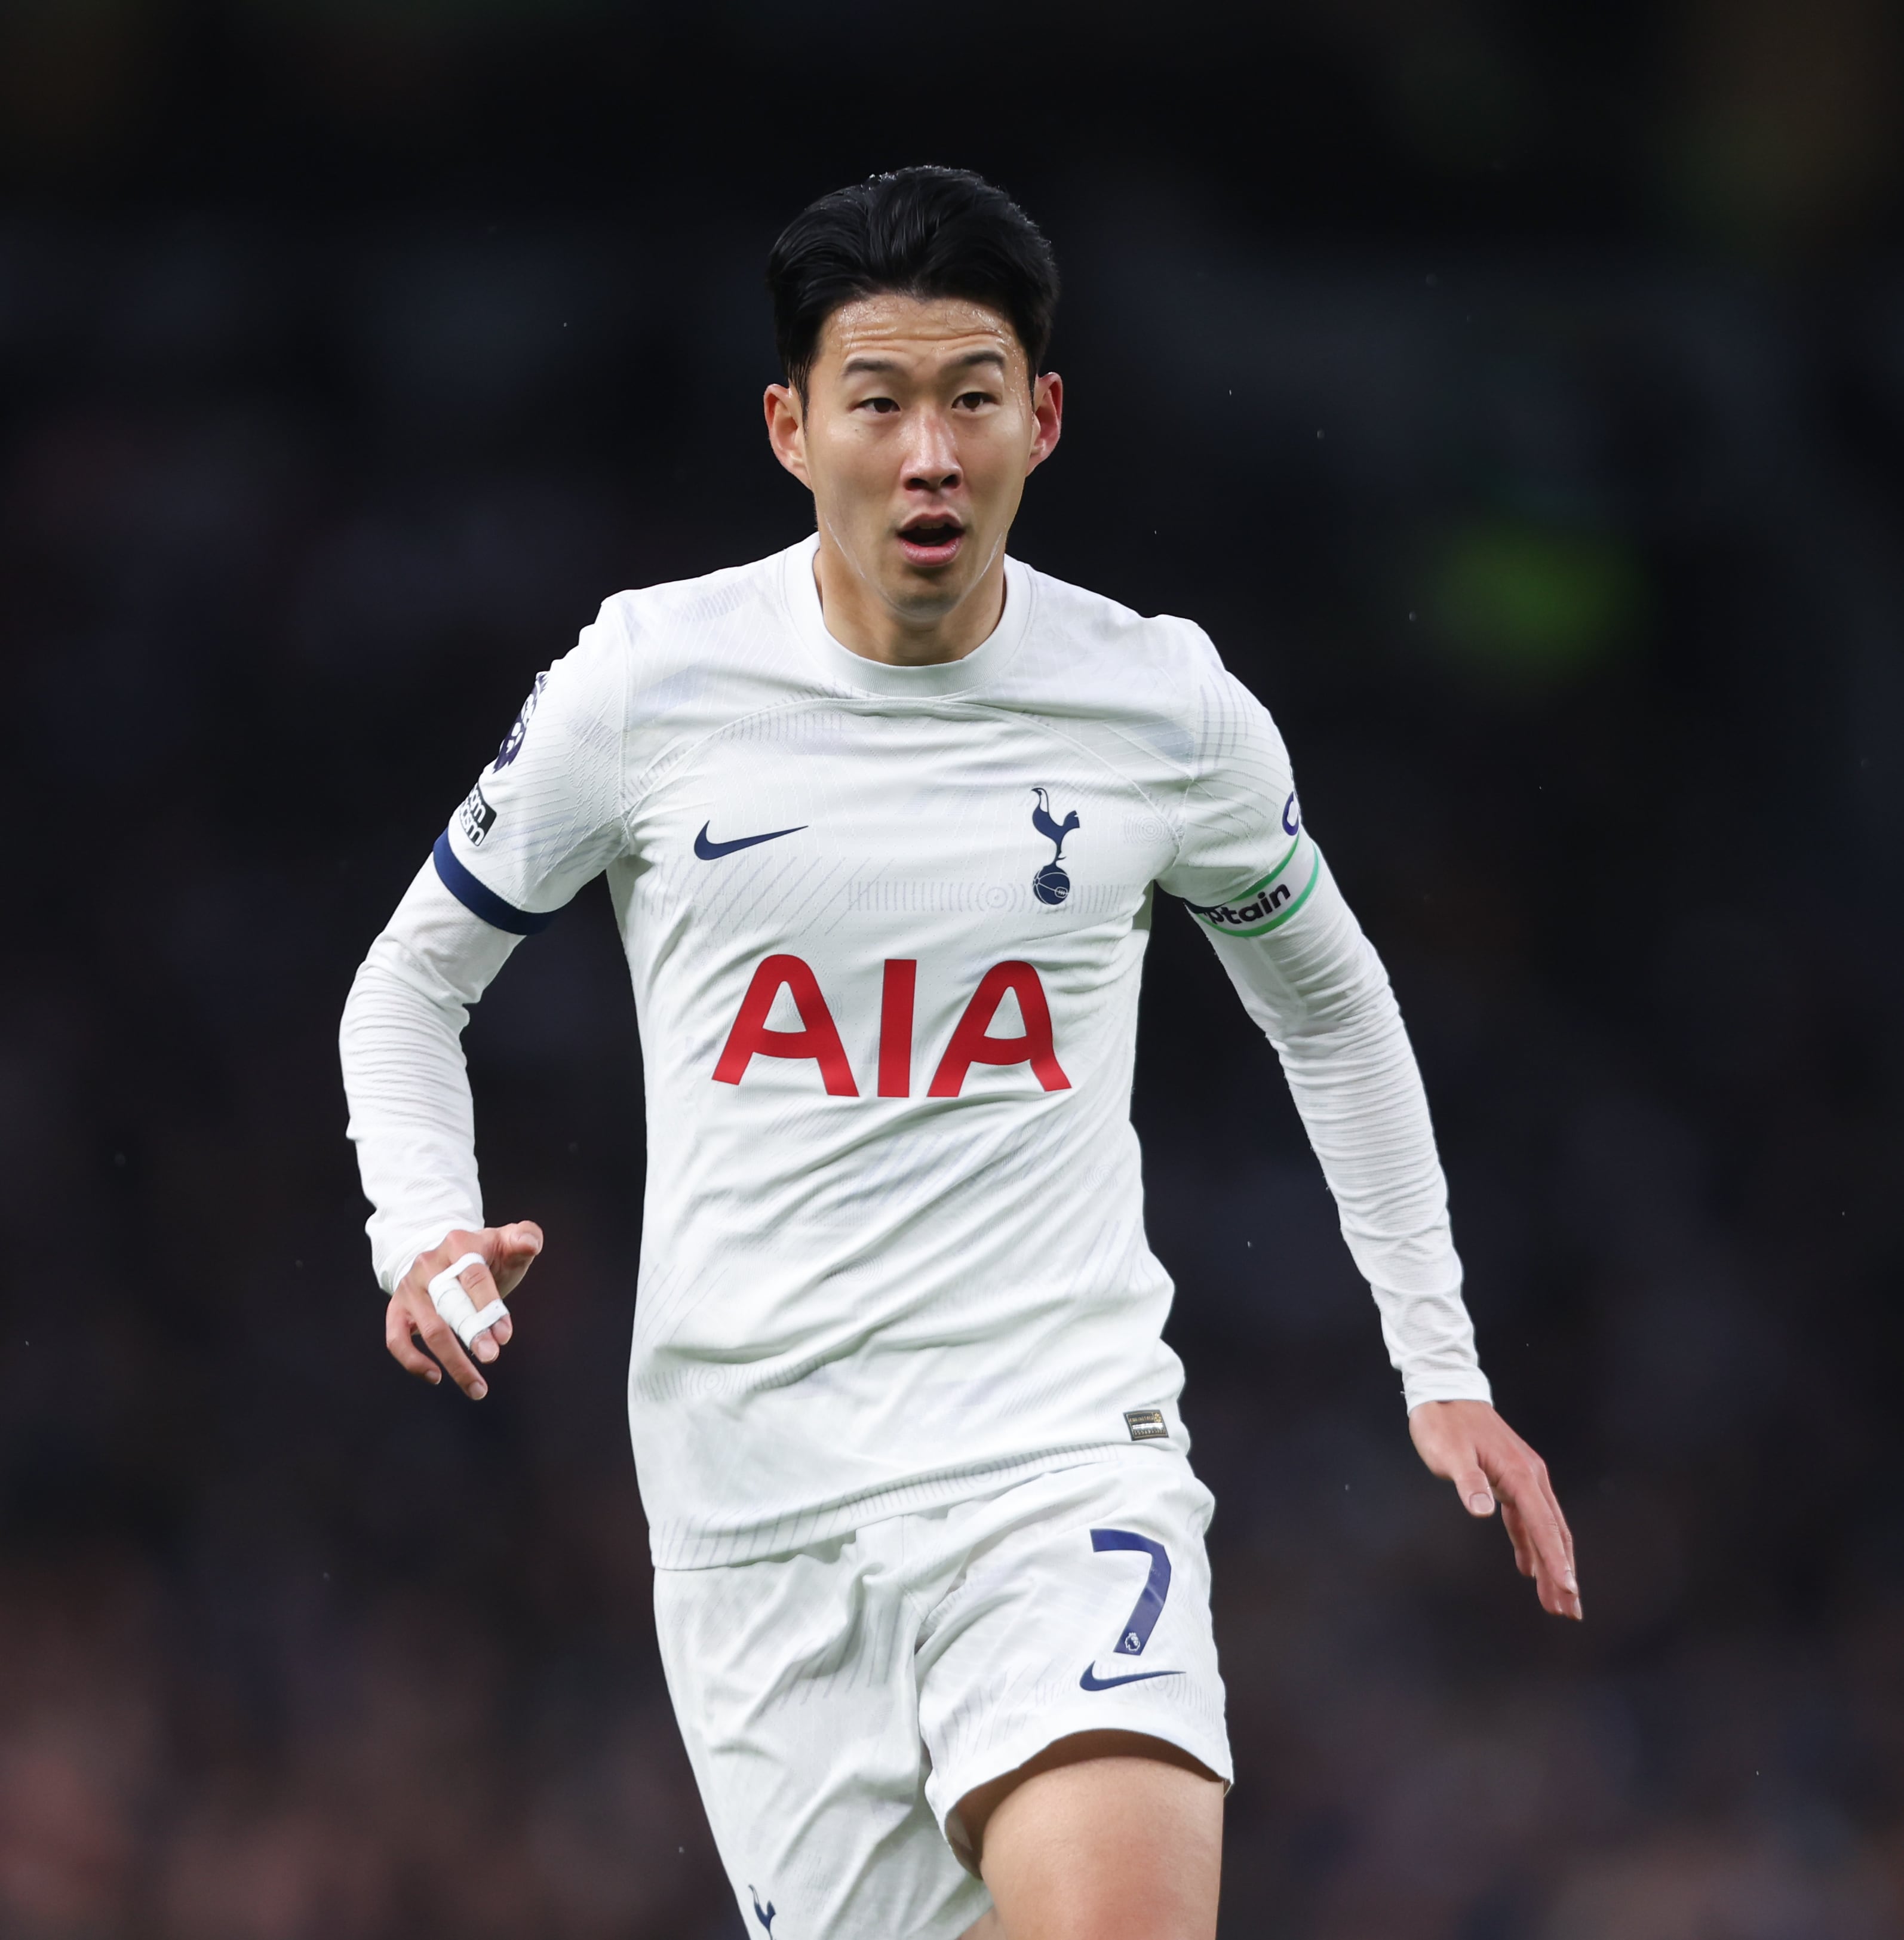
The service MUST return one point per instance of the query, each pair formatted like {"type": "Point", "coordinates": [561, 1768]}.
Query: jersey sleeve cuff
{"type": "Point", "coordinates": [481, 901]}
{"type": "Point", "coordinates": [1440, 1384]}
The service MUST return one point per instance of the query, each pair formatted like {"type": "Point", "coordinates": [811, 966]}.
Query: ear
{"type": "Point", "coordinates": [786, 429]}
{"type": "Point", "coordinates": [1047, 414]}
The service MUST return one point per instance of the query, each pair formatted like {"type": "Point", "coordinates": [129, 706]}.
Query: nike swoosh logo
{"type": "Point", "coordinates": [712, 851]}
{"type": "Point", "coordinates": [1089, 1682]}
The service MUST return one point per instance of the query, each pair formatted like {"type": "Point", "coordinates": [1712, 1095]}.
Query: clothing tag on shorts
{"type": "Point", "coordinates": [1145, 1424]}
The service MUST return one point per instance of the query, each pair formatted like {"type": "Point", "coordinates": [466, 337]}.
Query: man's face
{"type": "Point", "coordinates": [920, 424]}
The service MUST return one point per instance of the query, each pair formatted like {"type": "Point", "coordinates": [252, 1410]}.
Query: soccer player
{"type": "Point", "coordinates": [883, 818]}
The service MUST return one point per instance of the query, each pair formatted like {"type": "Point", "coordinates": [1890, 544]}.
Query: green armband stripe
{"type": "Point", "coordinates": [1252, 914]}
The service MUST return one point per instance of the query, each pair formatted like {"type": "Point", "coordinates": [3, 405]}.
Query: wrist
{"type": "Point", "coordinates": [1468, 1384]}
{"type": "Point", "coordinates": [421, 1240]}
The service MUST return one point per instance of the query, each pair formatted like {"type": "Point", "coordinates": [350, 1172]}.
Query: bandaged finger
{"type": "Point", "coordinates": [451, 1299]}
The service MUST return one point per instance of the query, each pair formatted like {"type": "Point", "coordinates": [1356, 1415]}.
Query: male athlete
{"type": "Point", "coordinates": [883, 818]}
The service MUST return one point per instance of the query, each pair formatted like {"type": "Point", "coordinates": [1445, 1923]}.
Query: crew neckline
{"type": "Point", "coordinates": [976, 669]}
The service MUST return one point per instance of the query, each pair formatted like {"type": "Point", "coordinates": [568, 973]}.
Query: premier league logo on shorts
{"type": "Point", "coordinates": [1051, 885]}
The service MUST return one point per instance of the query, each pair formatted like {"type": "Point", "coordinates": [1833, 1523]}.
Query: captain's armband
{"type": "Point", "coordinates": [1274, 897]}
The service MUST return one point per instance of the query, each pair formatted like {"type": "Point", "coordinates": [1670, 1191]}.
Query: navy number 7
{"type": "Point", "coordinates": [1150, 1606]}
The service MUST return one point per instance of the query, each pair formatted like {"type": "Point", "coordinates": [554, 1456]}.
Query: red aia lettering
{"type": "Point", "coordinates": [820, 1041]}
{"type": "Point", "coordinates": [971, 1044]}
{"type": "Point", "coordinates": [896, 1028]}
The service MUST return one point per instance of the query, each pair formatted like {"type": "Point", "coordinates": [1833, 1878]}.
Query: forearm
{"type": "Point", "coordinates": [1319, 993]}
{"type": "Point", "coordinates": [411, 1116]}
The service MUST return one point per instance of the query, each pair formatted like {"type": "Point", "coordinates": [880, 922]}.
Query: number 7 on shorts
{"type": "Point", "coordinates": [1150, 1606]}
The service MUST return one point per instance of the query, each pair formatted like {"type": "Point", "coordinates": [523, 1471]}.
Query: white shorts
{"type": "Point", "coordinates": [838, 1701]}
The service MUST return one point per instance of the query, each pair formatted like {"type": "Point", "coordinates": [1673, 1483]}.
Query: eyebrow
{"type": "Point", "coordinates": [863, 361]}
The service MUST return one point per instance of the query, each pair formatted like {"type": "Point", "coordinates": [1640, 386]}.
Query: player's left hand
{"type": "Point", "coordinates": [1469, 1444]}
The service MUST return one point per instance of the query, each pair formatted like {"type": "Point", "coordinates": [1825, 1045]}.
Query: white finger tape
{"type": "Point", "coordinates": [488, 1317]}
{"type": "Point", "coordinates": [451, 1299]}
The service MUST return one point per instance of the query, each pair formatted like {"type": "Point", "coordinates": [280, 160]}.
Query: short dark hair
{"type": "Point", "coordinates": [921, 232]}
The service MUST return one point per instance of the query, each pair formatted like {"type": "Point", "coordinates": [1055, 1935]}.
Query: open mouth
{"type": "Point", "coordinates": [932, 542]}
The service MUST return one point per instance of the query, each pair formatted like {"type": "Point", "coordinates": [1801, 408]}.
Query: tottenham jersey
{"type": "Point", "coordinates": [885, 926]}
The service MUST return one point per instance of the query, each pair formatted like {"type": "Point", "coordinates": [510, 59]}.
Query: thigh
{"type": "Point", "coordinates": [1099, 1835]}
{"type": "Point", "coordinates": [1083, 1606]}
{"type": "Point", "coordinates": [792, 1681]}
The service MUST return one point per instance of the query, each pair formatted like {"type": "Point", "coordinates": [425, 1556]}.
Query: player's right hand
{"type": "Point", "coordinates": [508, 1252]}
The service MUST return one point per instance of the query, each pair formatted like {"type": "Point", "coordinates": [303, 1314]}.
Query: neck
{"type": "Point", "coordinates": [866, 623]}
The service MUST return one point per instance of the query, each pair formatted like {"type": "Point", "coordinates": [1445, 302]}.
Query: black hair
{"type": "Point", "coordinates": [921, 232]}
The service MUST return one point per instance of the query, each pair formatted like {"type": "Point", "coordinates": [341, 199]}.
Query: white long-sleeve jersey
{"type": "Point", "coordinates": [885, 926]}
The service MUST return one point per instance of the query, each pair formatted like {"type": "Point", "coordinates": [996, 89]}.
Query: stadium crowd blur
{"type": "Point", "coordinates": [1515, 393]}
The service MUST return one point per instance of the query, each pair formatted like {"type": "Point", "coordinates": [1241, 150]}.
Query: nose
{"type": "Point", "coordinates": [932, 454]}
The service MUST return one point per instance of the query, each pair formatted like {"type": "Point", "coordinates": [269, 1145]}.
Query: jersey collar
{"type": "Point", "coordinates": [980, 668]}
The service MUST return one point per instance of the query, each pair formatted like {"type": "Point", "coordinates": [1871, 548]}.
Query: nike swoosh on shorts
{"type": "Point", "coordinates": [712, 851]}
{"type": "Point", "coordinates": [1089, 1682]}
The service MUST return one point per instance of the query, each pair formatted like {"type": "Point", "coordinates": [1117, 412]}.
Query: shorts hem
{"type": "Point", "coordinates": [1211, 1750]}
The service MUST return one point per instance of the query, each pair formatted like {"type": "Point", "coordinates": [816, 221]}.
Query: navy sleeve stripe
{"type": "Point", "coordinates": [485, 902]}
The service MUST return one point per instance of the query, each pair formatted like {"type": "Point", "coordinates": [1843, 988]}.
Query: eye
{"type": "Point", "coordinates": [973, 401]}
{"type": "Point", "coordinates": [885, 406]}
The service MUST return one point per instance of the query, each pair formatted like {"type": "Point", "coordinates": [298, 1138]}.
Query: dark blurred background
{"type": "Point", "coordinates": [1515, 393]}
